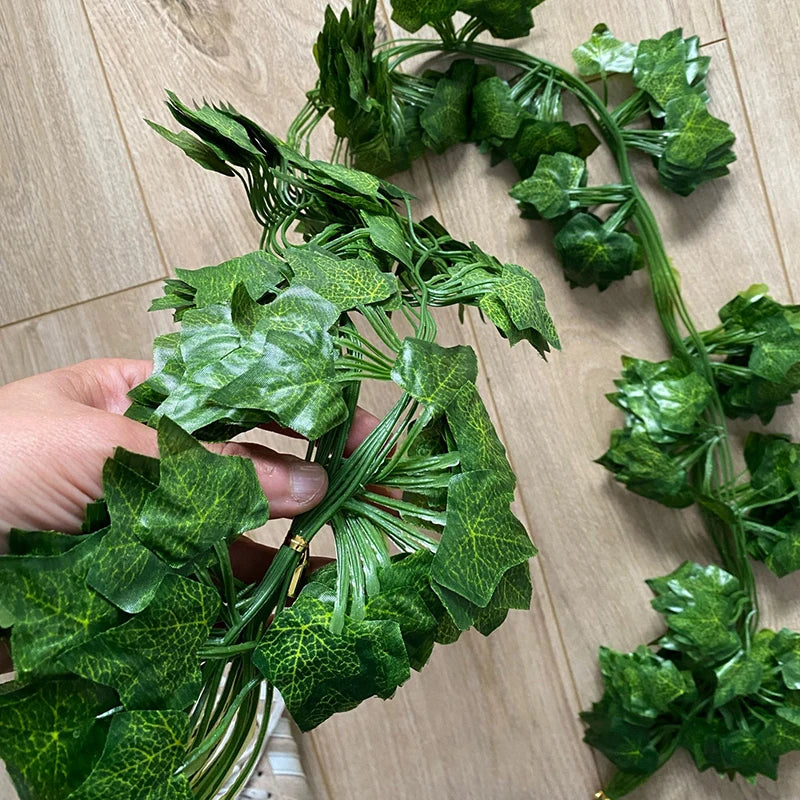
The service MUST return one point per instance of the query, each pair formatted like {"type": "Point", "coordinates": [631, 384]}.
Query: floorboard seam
{"type": "Point", "coordinates": [77, 303]}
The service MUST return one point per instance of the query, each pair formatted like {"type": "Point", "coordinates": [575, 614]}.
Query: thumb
{"type": "Point", "coordinates": [291, 484]}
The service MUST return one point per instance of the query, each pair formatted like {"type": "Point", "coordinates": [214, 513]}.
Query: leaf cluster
{"type": "Point", "coordinates": [730, 700]}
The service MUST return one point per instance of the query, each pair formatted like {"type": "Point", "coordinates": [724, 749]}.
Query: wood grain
{"type": "Point", "coordinates": [73, 225]}
{"type": "Point", "coordinates": [487, 717]}
{"type": "Point", "coordinates": [768, 67]}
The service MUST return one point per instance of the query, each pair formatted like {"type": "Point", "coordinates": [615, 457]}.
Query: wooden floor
{"type": "Point", "coordinates": [95, 210]}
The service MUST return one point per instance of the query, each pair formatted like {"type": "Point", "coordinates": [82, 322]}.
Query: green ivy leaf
{"type": "Point", "coordinates": [294, 381]}
{"type": "Point", "coordinates": [504, 19]}
{"type": "Point", "coordinates": [591, 255]}
{"type": "Point", "coordinates": [41, 543]}
{"type": "Point", "coordinates": [604, 54]}
{"type": "Point", "coordinates": [537, 137]}
{"type": "Point", "coordinates": [698, 146]}
{"type": "Point", "coordinates": [151, 659]}
{"type": "Point", "coordinates": [122, 771]}
{"type": "Point", "coordinates": [495, 115]}
{"type": "Point", "coordinates": [346, 283]}
{"type": "Point", "coordinates": [644, 684]}
{"type": "Point", "coordinates": [433, 374]}
{"type": "Point", "coordinates": [774, 464]}
{"type": "Point", "coordinates": [548, 189]}
{"type": "Point", "coordinates": [701, 607]}
{"type": "Point", "coordinates": [260, 272]}
{"type": "Point", "coordinates": [50, 737]}
{"type": "Point", "coordinates": [201, 499]}
{"type": "Point", "coordinates": [125, 571]}
{"type": "Point", "coordinates": [739, 677]}
{"type": "Point", "coordinates": [413, 14]}
{"type": "Point", "coordinates": [387, 235]}
{"type": "Point", "coordinates": [320, 673]}
{"type": "Point", "coordinates": [516, 305]}
{"type": "Point", "coordinates": [52, 607]}
{"type": "Point", "coordinates": [482, 539]}
{"type": "Point", "coordinates": [647, 469]}
{"type": "Point", "coordinates": [666, 398]}
{"type": "Point", "coordinates": [478, 444]}
{"type": "Point", "coordinates": [445, 120]}
{"type": "Point", "coordinates": [195, 148]}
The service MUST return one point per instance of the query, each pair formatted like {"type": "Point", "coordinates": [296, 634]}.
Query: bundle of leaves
{"type": "Point", "coordinates": [731, 701]}
{"type": "Point", "coordinates": [136, 637]}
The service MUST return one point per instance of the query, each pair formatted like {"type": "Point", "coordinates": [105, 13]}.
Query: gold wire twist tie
{"type": "Point", "coordinates": [601, 795]}
{"type": "Point", "coordinates": [299, 545]}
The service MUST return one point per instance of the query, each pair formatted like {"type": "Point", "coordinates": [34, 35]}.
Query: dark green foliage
{"type": "Point", "coordinates": [593, 255]}
{"type": "Point", "coordinates": [731, 703]}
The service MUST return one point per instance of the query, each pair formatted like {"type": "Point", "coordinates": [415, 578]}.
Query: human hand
{"type": "Point", "coordinates": [58, 428]}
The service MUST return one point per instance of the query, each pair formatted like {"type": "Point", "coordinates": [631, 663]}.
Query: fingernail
{"type": "Point", "coordinates": [306, 481]}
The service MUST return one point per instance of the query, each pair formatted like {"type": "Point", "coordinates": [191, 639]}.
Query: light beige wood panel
{"type": "Point", "coordinates": [255, 56]}
{"type": "Point", "coordinates": [115, 326]}
{"type": "Point", "coordinates": [762, 38]}
{"type": "Point", "coordinates": [72, 221]}
{"type": "Point", "coordinates": [7, 791]}
{"type": "Point", "coordinates": [598, 542]}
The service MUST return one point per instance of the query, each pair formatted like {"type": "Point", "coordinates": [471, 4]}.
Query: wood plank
{"type": "Point", "coordinates": [72, 222]}
{"type": "Point", "coordinates": [768, 68]}
{"type": "Point", "coordinates": [598, 542]}
{"type": "Point", "coordinates": [115, 326]}
{"type": "Point", "coordinates": [262, 63]}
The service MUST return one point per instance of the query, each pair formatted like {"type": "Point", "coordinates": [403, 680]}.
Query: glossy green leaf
{"type": "Point", "coordinates": [604, 54]}
{"type": "Point", "coordinates": [647, 469]}
{"type": "Point", "coordinates": [151, 659]}
{"type": "Point", "coordinates": [645, 684]}
{"type": "Point", "coordinates": [320, 673]}
{"type": "Point", "coordinates": [548, 189]}
{"type": "Point", "coordinates": [195, 148]}
{"type": "Point", "coordinates": [591, 255]}
{"type": "Point", "coordinates": [433, 374]}
{"type": "Point", "coordinates": [516, 304]}
{"type": "Point", "coordinates": [479, 446]}
{"type": "Point", "coordinates": [41, 543]}
{"type": "Point", "coordinates": [52, 607]}
{"type": "Point", "coordinates": [202, 498]}
{"type": "Point", "coordinates": [260, 272]}
{"type": "Point", "coordinates": [660, 67]}
{"type": "Point", "coordinates": [537, 137]}
{"type": "Point", "coordinates": [50, 736]}
{"type": "Point", "coordinates": [122, 771]}
{"type": "Point", "coordinates": [739, 677]}
{"type": "Point", "coordinates": [701, 607]}
{"type": "Point", "coordinates": [387, 235]}
{"type": "Point", "coordinates": [495, 114]}
{"type": "Point", "coordinates": [666, 398]}
{"type": "Point", "coordinates": [774, 464]}
{"type": "Point", "coordinates": [445, 120]}
{"type": "Point", "coordinates": [504, 19]}
{"type": "Point", "coordinates": [346, 283]}
{"type": "Point", "coordinates": [482, 539]}
{"type": "Point", "coordinates": [413, 14]}
{"type": "Point", "coordinates": [125, 571]}
{"type": "Point", "coordinates": [294, 381]}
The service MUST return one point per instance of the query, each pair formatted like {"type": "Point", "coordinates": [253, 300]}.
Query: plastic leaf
{"type": "Point", "coordinates": [591, 255]}
{"type": "Point", "coordinates": [604, 54]}
{"type": "Point", "coordinates": [50, 736]}
{"type": "Point", "coordinates": [202, 498]}
{"type": "Point", "coordinates": [701, 607]}
{"type": "Point", "coordinates": [52, 607]}
{"type": "Point", "coordinates": [445, 119]}
{"type": "Point", "coordinates": [505, 19]}
{"type": "Point", "coordinates": [151, 659]}
{"type": "Point", "coordinates": [482, 539]}
{"type": "Point", "coordinates": [549, 186]}
{"type": "Point", "coordinates": [123, 772]}
{"type": "Point", "coordinates": [413, 14]}
{"type": "Point", "coordinates": [320, 673]}
{"type": "Point", "coordinates": [495, 114]}
{"type": "Point", "coordinates": [433, 374]}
